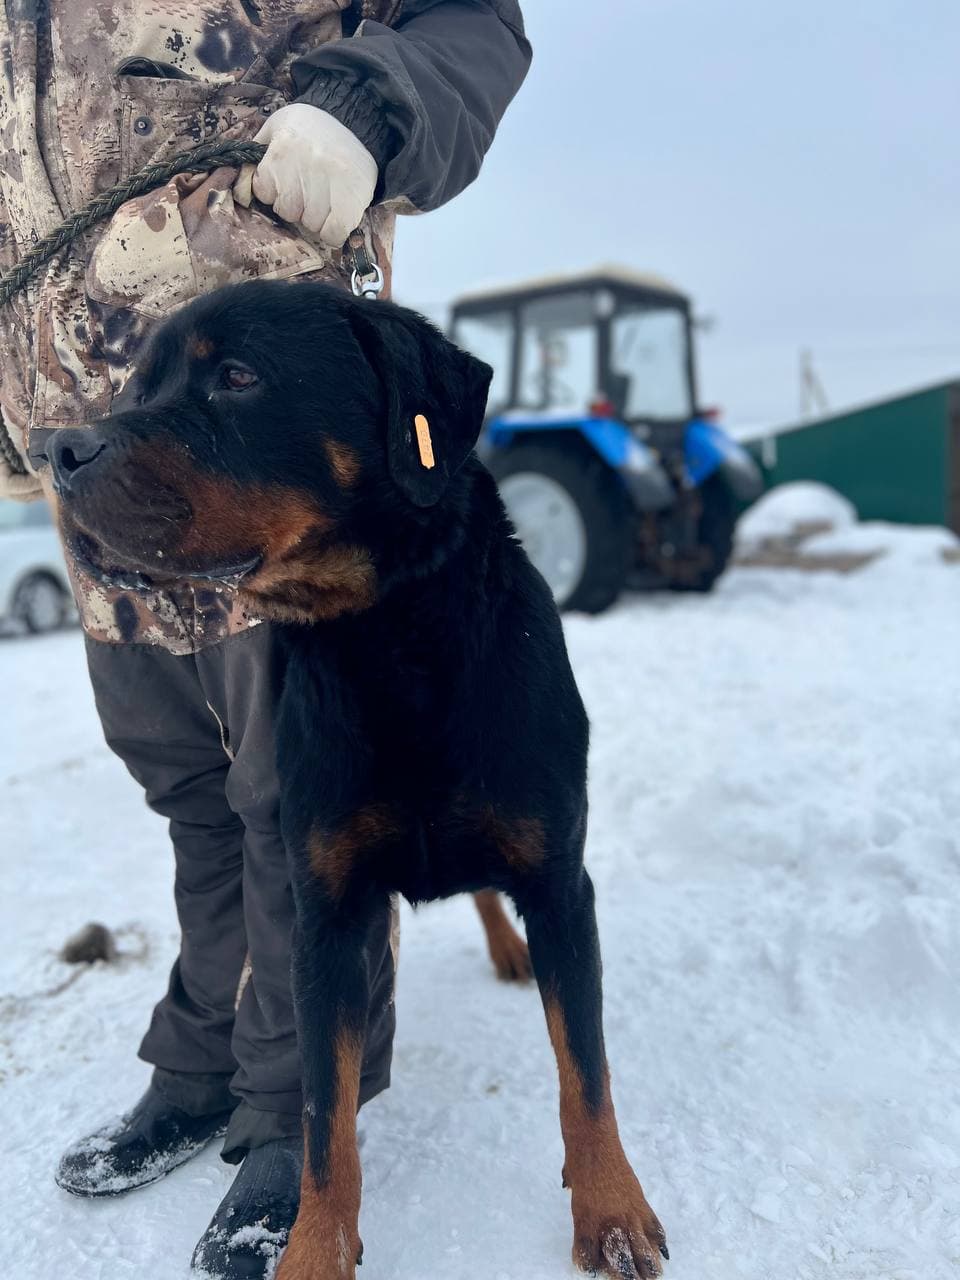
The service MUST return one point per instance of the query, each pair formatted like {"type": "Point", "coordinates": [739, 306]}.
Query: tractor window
{"type": "Point", "coordinates": [648, 353]}
{"type": "Point", "coordinates": [490, 338]}
{"type": "Point", "coordinates": [558, 358]}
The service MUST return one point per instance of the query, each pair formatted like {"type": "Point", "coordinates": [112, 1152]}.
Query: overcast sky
{"type": "Point", "coordinates": [792, 164]}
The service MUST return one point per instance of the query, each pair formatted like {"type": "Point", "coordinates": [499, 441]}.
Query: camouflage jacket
{"type": "Point", "coordinates": [94, 89]}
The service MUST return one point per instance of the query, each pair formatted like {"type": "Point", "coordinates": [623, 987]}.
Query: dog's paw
{"type": "Point", "coordinates": [311, 1257]}
{"type": "Point", "coordinates": [510, 957]}
{"type": "Point", "coordinates": [616, 1233]}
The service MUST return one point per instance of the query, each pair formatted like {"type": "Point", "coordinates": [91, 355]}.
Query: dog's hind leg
{"type": "Point", "coordinates": [616, 1232]}
{"type": "Point", "coordinates": [331, 987]}
{"type": "Point", "coordinates": [508, 951]}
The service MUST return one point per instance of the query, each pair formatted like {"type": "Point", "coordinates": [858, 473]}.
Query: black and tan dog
{"type": "Point", "coordinates": [317, 451]}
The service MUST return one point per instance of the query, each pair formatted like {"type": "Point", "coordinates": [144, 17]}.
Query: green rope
{"type": "Point", "coordinates": [201, 159]}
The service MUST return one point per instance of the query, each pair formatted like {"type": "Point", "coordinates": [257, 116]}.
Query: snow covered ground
{"type": "Point", "coordinates": [775, 838]}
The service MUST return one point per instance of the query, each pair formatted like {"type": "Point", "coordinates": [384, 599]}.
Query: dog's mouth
{"type": "Point", "coordinates": [99, 562]}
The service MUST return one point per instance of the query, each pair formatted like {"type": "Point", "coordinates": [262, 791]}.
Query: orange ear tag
{"type": "Point", "coordinates": [424, 442]}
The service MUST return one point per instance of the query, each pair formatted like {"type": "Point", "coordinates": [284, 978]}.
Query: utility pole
{"type": "Point", "coordinates": [813, 398]}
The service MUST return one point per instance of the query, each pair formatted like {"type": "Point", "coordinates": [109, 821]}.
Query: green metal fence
{"type": "Point", "coordinates": [898, 460]}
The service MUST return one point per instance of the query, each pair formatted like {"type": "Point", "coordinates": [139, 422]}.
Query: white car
{"type": "Point", "coordinates": [34, 589]}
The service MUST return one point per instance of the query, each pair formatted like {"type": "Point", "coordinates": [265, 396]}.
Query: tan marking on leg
{"type": "Point", "coordinates": [611, 1216]}
{"type": "Point", "coordinates": [508, 951]}
{"type": "Point", "coordinates": [325, 1242]}
{"type": "Point", "coordinates": [344, 462]}
{"type": "Point", "coordinates": [334, 855]}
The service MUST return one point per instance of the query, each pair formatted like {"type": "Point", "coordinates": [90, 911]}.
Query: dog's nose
{"type": "Point", "coordinates": [70, 451]}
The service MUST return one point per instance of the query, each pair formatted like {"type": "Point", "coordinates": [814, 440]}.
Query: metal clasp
{"type": "Point", "coordinates": [366, 279]}
{"type": "Point", "coordinates": [370, 285]}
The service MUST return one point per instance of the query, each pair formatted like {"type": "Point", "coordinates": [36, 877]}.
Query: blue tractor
{"type": "Point", "coordinates": [610, 472]}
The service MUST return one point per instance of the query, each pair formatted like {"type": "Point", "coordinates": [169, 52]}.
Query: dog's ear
{"type": "Point", "coordinates": [435, 396]}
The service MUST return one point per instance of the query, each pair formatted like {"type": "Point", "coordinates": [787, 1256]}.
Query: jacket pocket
{"type": "Point", "coordinates": [165, 114]}
{"type": "Point", "coordinates": [188, 238]}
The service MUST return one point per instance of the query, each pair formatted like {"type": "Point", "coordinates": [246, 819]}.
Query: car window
{"type": "Point", "coordinates": [24, 515]}
{"type": "Point", "coordinates": [37, 515]}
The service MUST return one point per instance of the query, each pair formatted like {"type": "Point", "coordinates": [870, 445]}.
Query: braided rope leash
{"type": "Point", "coordinates": [367, 278]}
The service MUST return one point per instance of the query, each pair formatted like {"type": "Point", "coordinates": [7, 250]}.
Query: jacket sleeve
{"type": "Point", "coordinates": [424, 96]}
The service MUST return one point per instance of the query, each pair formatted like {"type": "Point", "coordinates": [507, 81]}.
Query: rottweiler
{"type": "Point", "coordinates": [316, 451]}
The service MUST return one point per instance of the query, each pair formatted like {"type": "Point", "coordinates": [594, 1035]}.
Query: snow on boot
{"type": "Point", "coordinates": [138, 1148]}
{"type": "Point", "coordinates": [250, 1229]}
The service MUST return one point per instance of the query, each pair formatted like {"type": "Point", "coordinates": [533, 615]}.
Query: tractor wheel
{"type": "Point", "coordinates": [715, 530]}
{"type": "Point", "coordinates": [573, 517]}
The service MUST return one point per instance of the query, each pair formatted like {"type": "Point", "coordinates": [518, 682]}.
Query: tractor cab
{"type": "Point", "coordinates": [607, 344]}
{"type": "Point", "coordinates": [607, 469]}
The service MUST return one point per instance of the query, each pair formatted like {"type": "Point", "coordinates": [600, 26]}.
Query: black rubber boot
{"type": "Point", "coordinates": [138, 1148]}
{"type": "Point", "coordinates": [250, 1229]}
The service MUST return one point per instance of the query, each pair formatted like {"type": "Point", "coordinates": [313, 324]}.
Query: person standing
{"type": "Point", "coordinates": [368, 108]}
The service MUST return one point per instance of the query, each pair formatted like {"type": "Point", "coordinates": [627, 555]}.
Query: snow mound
{"type": "Point", "coordinates": [783, 510]}
{"type": "Point", "coordinates": [914, 544]}
{"type": "Point", "coordinates": [775, 841]}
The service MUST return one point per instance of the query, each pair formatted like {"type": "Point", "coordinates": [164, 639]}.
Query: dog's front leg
{"type": "Point", "coordinates": [615, 1230]}
{"type": "Point", "coordinates": [331, 990]}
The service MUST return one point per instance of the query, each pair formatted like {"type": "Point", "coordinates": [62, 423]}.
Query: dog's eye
{"type": "Point", "coordinates": [234, 377]}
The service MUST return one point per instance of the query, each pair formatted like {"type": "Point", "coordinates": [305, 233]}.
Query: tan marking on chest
{"type": "Point", "coordinates": [317, 587]}
{"type": "Point", "coordinates": [519, 841]}
{"type": "Point", "coordinates": [335, 856]}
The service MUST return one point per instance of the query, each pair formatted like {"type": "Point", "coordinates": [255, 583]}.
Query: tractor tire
{"type": "Point", "coordinates": [715, 530]}
{"type": "Point", "coordinates": [567, 478]}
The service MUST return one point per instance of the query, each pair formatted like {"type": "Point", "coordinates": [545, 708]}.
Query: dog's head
{"type": "Point", "coordinates": [281, 437]}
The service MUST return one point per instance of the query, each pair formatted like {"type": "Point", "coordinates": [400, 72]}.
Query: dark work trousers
{"type": "Point", "coordinates": [196, 731]}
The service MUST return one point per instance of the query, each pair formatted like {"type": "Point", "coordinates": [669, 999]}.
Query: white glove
{"type": "Point", "coordinates": [20, 488]}
{"type": "Point", "coordinates": [316, 172]}
{"type": "Point", "coordinates": [12, 484]}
